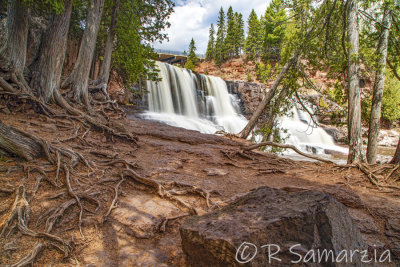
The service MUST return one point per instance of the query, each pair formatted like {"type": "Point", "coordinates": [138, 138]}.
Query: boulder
{"type": "Point", "coordinates": [250, 231]}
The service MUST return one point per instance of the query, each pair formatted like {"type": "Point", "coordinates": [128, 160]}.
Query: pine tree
{"type": "Point", "coordinates": [229, 41]}
{"type": "Point", "coordinates": [253, 41]}
{"type": "Point", "coordinates": [192, 57]}
{"type": "Point", "coordinates": [273, 26]}
{"type": "Point", "coordinates": [239, 34]}
{"type": "Point", "coordinates": [210, 53]}
{"type": "Point", "coordinates": [219, 45]}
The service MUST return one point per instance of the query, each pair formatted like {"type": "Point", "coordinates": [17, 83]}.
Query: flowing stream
{"type": "Point", "coordinates": [202, 103]}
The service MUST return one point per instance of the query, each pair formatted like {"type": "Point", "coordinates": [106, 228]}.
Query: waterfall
{"type": "Point", "coordinates": [306, 136]}
{"type": "Point", "coordinates": [193, 101]}
{"type": "Point", "coordinates": [202, 103]}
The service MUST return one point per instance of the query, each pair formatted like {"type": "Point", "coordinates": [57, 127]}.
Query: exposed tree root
{"type": "Point", "coordinates": [30, 258]}
{"type": "Point", "coordinates": [163, 225]}
{"type": "Point", "coordinates": [57, 214]}
{"type": "Point", "coordinates": [191, 189]}
{"type": "Point", "coordinates": [158, 188]}
{"type": "Point", "coordinates": [287, 147]}
{"type": "Point", "coordinates": [83, 168]}
{"type": "Point", "coordinates": [374, 179]}
{"type": "Point", "coordinates": [114, 201]}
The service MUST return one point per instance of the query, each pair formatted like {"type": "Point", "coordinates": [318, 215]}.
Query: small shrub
{"type": "Point", "coordinates": [249, 78]}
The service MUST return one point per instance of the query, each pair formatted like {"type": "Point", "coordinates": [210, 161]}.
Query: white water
{"type": "Point", "coordinates": [306, 136]}
{"type": "Point", "coordinates": [202, 103]}
{"type": "Point", "coordinates": [195, 102]}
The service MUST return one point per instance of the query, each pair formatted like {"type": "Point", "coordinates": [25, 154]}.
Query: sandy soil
{"type": "Point", "coordinates": [133, 235]}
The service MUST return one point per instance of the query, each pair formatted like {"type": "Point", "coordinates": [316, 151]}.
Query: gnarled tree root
{"type": "Point", "coordinates": [30, 258]}
{"type": "Point", "coordinates": [159, 189]}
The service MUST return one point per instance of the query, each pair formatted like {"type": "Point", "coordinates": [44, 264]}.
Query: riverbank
{"type": "Point", "coordinates": [143, 229]}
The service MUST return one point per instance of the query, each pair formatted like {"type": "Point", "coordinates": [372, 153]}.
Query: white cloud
{"type": "Point", "coordinates": [192, 19]}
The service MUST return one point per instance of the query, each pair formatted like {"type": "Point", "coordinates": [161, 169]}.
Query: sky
{"type": "Point", "coordinates": [192, 19]}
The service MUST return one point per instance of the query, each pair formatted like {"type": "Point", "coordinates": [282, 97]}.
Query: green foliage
{"type": "Point", "coordinates": [192, 53]}
{"type": "Point", "coordinates": [210, 53]}
{"type": "Point", "coordinates": [274, 25]}
{"type": "Point", "coordinates": [390, 101]}
{"type": "Point", "coordinates": [189, 64]}
{"type": "Point", "coordinates": [239, 34]}
{"type": "Point", "coordinates": [391, 98]}
{"type": "Point", "coordinates": [264, 71]}
{"type": "Point", "coordinates": [140, 23]}
{"type": "Point", "coordinates": [229, 42]}
{"type": "Point", "coordinates": [249, 78]}
{"type": "Point", "coordinates": [46, 6]}
{"type": "Point", "coordinates": [219, 45]}
{"type": "Point", "coordinates": [253, 42]}
{"type": "Point", "coordinates": [366, 108]}
{"type": "Point", "coordinates": [336, 94]}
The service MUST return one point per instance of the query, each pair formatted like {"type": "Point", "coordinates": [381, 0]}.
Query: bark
{"type": "Point", "coordinates": [267, 99]}
{"type": "Point", "coordinates": [379, 86]}
{"type": "Point", "coordinates": [109, 47]}
{"type": "Point", "coordinates": [46, 73]}
{"type": "Point", "coordinates": [396, 157]}
{"type": "Point", "coordinates": [17, 143]}
{"type": "Point", "coordinates": [79, 78]}
{"type": "Point", "coordinates": [273, 112]}
{"type": "Point", "coordinates": [356, 152]}
{"type": "Point", "coordinates": [13, 57]}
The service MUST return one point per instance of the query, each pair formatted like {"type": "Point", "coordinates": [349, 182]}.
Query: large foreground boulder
{"type": "Point", "coordinates": [308, 228]}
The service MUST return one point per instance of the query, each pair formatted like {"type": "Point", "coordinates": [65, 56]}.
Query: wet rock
{"type": "Point", "coordinates": [215, 172]}
{"type": "Point", "coordinates": [338, 134]}
{"type": "Point", "coordinates": [388, 138]}
{"type": "Point", "coordinates": [271, 216]}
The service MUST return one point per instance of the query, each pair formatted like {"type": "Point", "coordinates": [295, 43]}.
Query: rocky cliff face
{"type": "Point", "coordinates": [249, 93]}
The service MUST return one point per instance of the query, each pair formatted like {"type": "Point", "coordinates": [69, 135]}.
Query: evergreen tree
{"type": "Point", "coordinates": [253, 42]}
{"type": "Point", "coordinates": [192, 57]}
{"type": "Point", "coordinates": [229, 41]}
{"type": "Point", "coordinates": [210, 53]}
{"type": "Point", "coordinates": [189, 64]}
{"type": "Point", "coordinates": [239, 34]}
{"type": "Point", "coordinates": [219, 45]}
{"type": "Point", "coordinates": [273, 26]}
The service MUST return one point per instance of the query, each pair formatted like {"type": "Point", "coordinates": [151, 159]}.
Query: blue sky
{"type": "Point", "coordinates": [192, 18]}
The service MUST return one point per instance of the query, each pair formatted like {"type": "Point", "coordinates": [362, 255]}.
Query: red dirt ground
{"type": "Point", "coordinates": [133, 234]}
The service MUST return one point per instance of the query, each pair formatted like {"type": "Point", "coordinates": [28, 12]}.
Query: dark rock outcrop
{"type": "Point", "coordinates": [250, 94]}
{"type": "Point", "coordinates": [265, 216]}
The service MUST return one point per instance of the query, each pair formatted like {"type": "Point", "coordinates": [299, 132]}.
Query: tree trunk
{"type": "Point", "coordinates": [79, 77]}
{"type": "Point", "coordinates": [396, 157]}
{"type": "Point", "coordinates": [379, 86]}
{"type": "Point", "coordinates": [47, 70]}
{"type": "Point", "coordinates": [17, 143]}
{"type": "Point", "coordinates": [267, 99]}
{"type": "Point", "coordinates": [13, 57]}
{"type": "Point", "coordinates": [108, 49]}
{"type": "Point", "coordinates": [273, 112]}
{"type": "Point", "coordinates": [356, 152]}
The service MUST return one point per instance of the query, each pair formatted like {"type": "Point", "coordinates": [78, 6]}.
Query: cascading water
{"type": "Point", "coordinates": [306, 136]}
{"type": "Point", "coordinates": [196, 102]}
{"type": "Point", "coordinates": [202, 103]}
